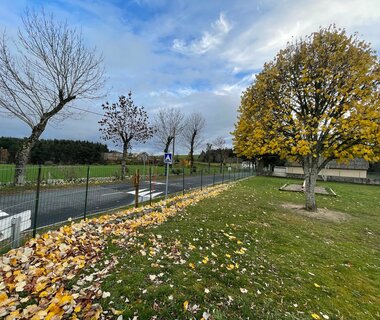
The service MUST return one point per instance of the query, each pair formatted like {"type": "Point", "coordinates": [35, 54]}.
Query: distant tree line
{"type": "Point", "coordinates": [216, 155]}
{"type": "Point", "coordinates": [57, 151]}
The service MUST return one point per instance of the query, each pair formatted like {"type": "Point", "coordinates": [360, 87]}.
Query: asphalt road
{"type": "Point", "coordinates": [59, 204]}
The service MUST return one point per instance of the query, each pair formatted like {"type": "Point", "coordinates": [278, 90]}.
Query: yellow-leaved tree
{"type": "Point", "coordinates": [318, 100]}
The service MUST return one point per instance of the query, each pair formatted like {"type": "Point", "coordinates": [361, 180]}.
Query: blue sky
{"type": "Point", "coordinates": [197, 55]}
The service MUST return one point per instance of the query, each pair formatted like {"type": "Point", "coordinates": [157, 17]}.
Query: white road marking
{"type": "Point", "coordinates": [110, 194]}
{"type": "Point", "coordinates": [144, 193]}
{"type": "Point", "coordinates": [3, 214]}
{"type": "Point", "coordinates": [155, 194]}
{"type": "Point", "coordinates": [140, 190]}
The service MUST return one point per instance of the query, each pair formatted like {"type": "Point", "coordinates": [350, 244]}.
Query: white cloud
{"type": "Point", "coordinates": [218, 60]}
{"type": "Point", "coordinates": [258, 42]}
{"type": "Point", "coordinates": [209, 40]}
{"type": "Point", "coordinates": [235, 88]}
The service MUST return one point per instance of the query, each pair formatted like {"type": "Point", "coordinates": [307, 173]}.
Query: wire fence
{"type": "Point", "coordinates": [55, 194]}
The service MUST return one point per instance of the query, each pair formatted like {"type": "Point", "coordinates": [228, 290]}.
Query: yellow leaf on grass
{"type": "Point", "coordinates": [13, 315]}
{"type": "Point", "coordinates": [205, 260]}
{"type": "Point", "coordinates": [185, 305]}
{"type": "Point", "coordinates": [116, 312]}
{"type": "Point", "coordinates": [65, 299]}
{"type": "Point", "coordinates": [3, 297]}
{"type": "Point", "coordinates": [40, 286]}
{"type": "Point", "coordinates": [315, 316]}
{"type": "Point", "coordinates": [191, 265]}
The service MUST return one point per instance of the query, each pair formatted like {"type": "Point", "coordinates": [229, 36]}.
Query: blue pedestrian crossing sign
{"type": "Point", "coordinates": [168, 158]}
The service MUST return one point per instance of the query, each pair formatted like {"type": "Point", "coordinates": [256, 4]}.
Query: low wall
{"type": "Point", "coordinates": [337, 179]}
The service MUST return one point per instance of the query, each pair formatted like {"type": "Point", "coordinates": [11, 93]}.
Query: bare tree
{"type": "Point", "coordinates": [192, 134]}
{"type": "Point", "coordinates": [49, 68]}
{"type": "Point", "coordinates": [220, 145]}
{"type": "Point", "coordinates": [169, 124]}
{"type": "Point", "coordinates": [124, 122]}
{"type": "Point", "coordinates": [208, 154]}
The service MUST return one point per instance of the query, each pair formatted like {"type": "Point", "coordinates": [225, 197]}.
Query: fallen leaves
{"type": "Point", "coordinates": [41, 268]}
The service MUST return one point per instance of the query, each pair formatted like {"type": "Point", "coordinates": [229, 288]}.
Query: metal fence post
{"type": "Point", "coordinates": [150, 185]}
{"type": "Point", "coordinates": [183, 180]}
{"type": "Point", "coordinates": [37, 201]}
{"type": "Point", "coordinates": [201, 179]}
{"type": "Point", "coordinates": [86, 194]}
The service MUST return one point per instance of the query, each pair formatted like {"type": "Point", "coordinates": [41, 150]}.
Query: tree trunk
{"type": "Point", "coordinates": [124, 161]}
{"type": "Point", "coordinates": [191, 153]}
{"type": "Point", "coordinates": [221, 160]}
{"type": "Point", "coordinates": [23, 153]}
{"type": "Point", "coordinates": [310, 168]}
{"type": "Point", "coordinates": [259, 167]}
{"type": "Point", "coordinates": [167, 144]}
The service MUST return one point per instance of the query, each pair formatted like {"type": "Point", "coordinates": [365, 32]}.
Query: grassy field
{"type": "Point", "coordinates": [241, 255]}
{"type": "Point", "coordinates": [80, 171]}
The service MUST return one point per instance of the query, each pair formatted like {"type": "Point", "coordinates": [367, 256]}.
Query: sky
{"type": "Point", "coordinates": [196, 55]}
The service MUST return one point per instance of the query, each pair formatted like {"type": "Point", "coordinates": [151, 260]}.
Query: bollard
{"type": "Point", "coordinates": [15, 232]}
{"type": "Point", "coordinates": [136, 183]}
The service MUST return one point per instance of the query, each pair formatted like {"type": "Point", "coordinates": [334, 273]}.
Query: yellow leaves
{"type": "Point", "coordinates": [116, 312]}
{"type": "Point", "coordinates": [186, 305]}
{"type": "Point", "coordinates": [43, 294]}
{"type": "Point", "coordinates": [315, 316]}
{"type": "Point", "coordinates": [3, 297]}
{"type": "Point", "coordinates": [317, 285]}
{"type": "Point", "coordinates": [230, 266]}
{"type": "Point", "coordinates": [43, 266]}
{"type": "Point", "coordinates": [13, 315]}
{"type": "Point", "coordinates": [40, 286]}
{"type": "Point", "coordinates": [241, 251]}
{"type": "Point", "coordinates": [65, 299]}
{"type": "Point", "coordinates": [41, 314]}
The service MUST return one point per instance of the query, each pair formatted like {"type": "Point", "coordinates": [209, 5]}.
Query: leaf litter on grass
{"type": "Point", "coordinates": [34, 278]}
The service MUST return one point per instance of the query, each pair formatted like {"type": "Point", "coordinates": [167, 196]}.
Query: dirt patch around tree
{"type": "Point", "coordinates": [321, 214]}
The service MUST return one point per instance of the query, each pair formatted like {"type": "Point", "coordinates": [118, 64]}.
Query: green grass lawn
{"type": "Point", "coordinates": [75, 171]}
{"type": "Point", "coordinates": [80, 171]}
{"type": "Point", "coordinates": [241, 255]}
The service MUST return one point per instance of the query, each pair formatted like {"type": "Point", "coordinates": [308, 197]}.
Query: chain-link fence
{"type": "Point", "coordinates": [55, 194]}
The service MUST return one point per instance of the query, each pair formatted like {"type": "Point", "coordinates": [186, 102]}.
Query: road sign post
{"type": "Point", "coordinates": [167, 161]}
